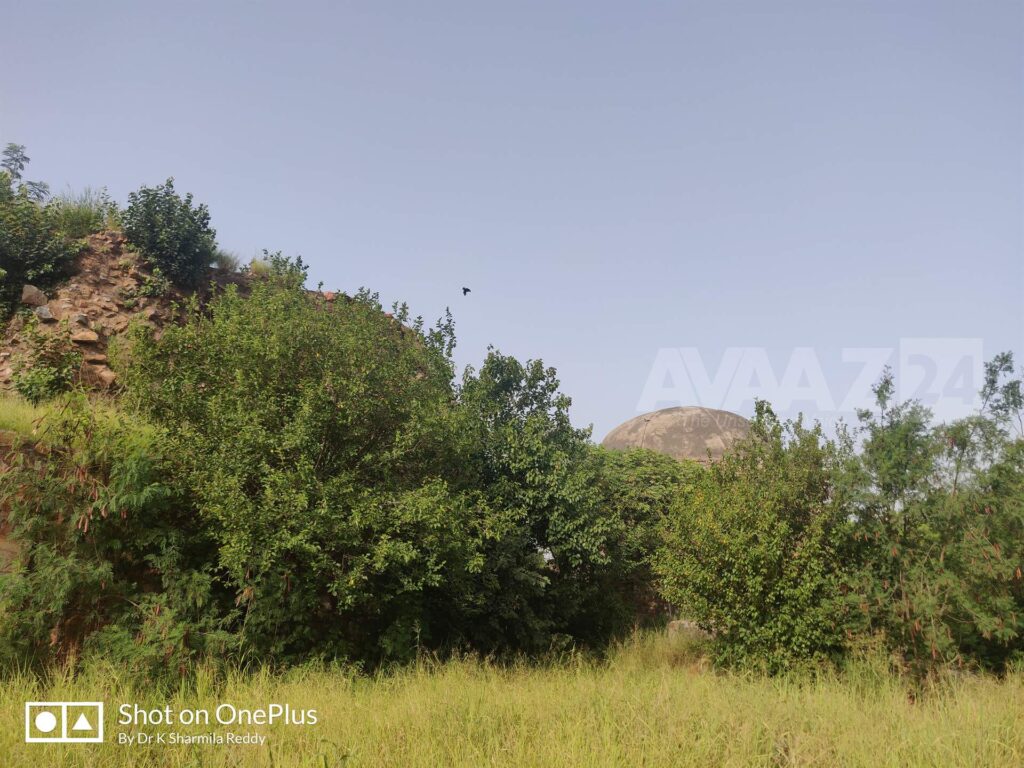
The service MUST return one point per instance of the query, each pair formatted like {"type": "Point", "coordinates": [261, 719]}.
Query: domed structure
{"type": "Point", "coordinates": [684, 433]}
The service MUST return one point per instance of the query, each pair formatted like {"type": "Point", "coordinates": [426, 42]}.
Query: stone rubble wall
{"type": "Point", "coordinates": [98, 302]}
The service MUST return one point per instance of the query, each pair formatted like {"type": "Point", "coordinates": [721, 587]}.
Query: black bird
{"type": "Point", "coordinates": [465, 290]}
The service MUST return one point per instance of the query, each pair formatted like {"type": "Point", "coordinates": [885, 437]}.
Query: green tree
{"type": "Point", "coordinates": [938, 520]}
{"type": "Point", "coordinates": [546, 541]}
{"type": "Point", "coordinates": [310, 437]}
{"type": "Point", "coordinates": [14, 160]}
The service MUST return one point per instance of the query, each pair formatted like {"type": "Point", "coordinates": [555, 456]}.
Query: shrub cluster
{"type": "Point", "coordinates": [753, 551]}
{"type": "Point", "coordinates": [290, 478]}
{"type": "Point", "coordinates": [315, 482]}
{"type": "Point", "coordinates": [32, 247]}
{"type": "Point", "coordinates": [112, 559]}
{"type": "Point", "coordinates": [171, 232]}
{"type": "Point", "coordinates": [912, 535]}
{"type": "Point", "coordinates": [49, 366]}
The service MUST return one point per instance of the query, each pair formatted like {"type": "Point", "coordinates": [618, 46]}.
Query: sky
{"type": "Point", "coordinates": [689, 203]}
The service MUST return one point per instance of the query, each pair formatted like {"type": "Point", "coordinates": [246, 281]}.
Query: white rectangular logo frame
{"type": "Point", "coordinates": [63, 707]}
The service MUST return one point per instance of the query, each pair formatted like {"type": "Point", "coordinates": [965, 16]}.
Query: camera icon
{"type": "Point", "coordinates": [64, 721]}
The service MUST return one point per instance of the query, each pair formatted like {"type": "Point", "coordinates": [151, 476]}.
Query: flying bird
{"type": "Point", "coordinates": [465, 290]}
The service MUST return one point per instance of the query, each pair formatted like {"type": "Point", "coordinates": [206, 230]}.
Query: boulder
{"type": "Point", "coordinates": [688, 433]}
{"type": "Point", "coordinates": [44, 314]}
{"type": "Point", "coordinates": [32, 296]}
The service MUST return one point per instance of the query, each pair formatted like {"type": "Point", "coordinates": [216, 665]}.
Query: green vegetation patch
{"type": "Point", "coordinates": [171, 231]}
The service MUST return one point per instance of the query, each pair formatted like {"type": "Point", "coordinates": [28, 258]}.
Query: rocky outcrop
{"type": "Point", "coordinates": [107, 292]}
{"type": "Point", "coordinates": [691, 433]}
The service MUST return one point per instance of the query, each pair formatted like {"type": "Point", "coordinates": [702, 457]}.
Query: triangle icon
{"type": "Point", "coordinates": [82, 724]}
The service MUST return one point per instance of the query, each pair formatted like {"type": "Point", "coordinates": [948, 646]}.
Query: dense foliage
{"type": "Point", "coordinates": [637, 490]}
{"type": "Point", "coordinates": [939, 527]}
{"type": "Point", "coordinates": [49, 366]}
{"type": "Point", "coordinates": [342, 495]}
{"type": "Point", "coordinates": [900, 531]}
{"type": "Point", "coordinates": [753, 548]}
{"type": "Point", "coordinates": [287, 476]}
{"type": "Point", "coordinates": [171, 232]}
{"type": "Point", "coordinates": [106, 550]}
{"type": "Point", "coordinates": [305, 435]}
{"type": "Point", "coordinates": [32, 247]}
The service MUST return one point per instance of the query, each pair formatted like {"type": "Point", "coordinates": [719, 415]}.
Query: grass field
{"type": "Point", "coordinates": [650, 704]}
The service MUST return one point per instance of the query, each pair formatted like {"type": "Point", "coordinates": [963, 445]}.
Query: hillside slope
{"type": "Point", "coordinates": [109, 289]}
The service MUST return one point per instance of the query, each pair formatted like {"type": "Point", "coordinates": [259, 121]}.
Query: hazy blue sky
{"type": "Point", "coordinates": [610, 179]}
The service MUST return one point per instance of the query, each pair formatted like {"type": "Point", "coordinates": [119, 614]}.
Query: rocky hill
{"type": "Point", "coordinates": [110, 287]}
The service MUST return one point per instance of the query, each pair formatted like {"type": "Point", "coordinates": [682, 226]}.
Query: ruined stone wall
{"type": "Point", "coordinates": [106, 293]}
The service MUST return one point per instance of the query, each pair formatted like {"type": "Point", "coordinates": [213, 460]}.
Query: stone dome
{"type": "Point", "coordinates": [683, 433]}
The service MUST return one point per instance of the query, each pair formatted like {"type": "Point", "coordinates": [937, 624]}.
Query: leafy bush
{"type": "Point", "coordinates": [753, 552]}
{"type": "Point", "coordinates": [171, 232]}
{"type": "Point", "coordinates": [104, 546]}
{"type": "Point", "coordinates": [154, 284]}
{"type": "Point", "coordinates": [794, 544]}
{"type": "Point", "coordinates": [305, 436]}
{"type": "Point", "coordinates": [638, 489]}
{"type": "Point", "coordinates": [360, 504]}
{"type": "Point", "coordinates": [78, 214]}
{"type": "Point", "coordinates": [32, 249]}
{"type": "Point", "coordinates": [49, 367]}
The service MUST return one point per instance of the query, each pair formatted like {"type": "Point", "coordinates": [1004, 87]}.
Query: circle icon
{"type": "Point", "coordinates": [46, 722]}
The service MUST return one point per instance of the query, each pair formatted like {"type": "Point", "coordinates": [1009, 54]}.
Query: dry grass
{"type": "Point", "coordinates": [651, 704]}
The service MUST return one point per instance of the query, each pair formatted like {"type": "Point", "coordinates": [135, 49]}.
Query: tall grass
{"type": "Point", "coordinates": [650, 704]}
{"type": "Point", "coordinates": [227, 260]}
{"type": "Point", "coordinates": [259, 268]}
{"type": "Point", "coordinates": [18, 415]}
{"type": "Point", "coordinates": [83, 213]}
